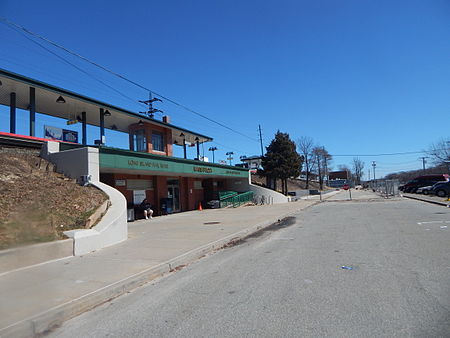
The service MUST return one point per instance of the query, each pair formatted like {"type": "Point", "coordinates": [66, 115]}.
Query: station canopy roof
{"type": "Point", "coordinates": [46, 103]}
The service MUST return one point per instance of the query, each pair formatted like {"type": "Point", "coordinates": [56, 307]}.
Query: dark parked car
{"type": "Point", "coordinates": [441, 189]}
{"type": "Point", "coordinates": [423, 181]}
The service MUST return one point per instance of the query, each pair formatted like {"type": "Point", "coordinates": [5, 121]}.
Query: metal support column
{"type": "Point", "coordinates": [83, 128]}
{"type": "Point", "coordinates": [102, 125]}
{"type": "Point", "coordinates": [12, 113]}
{"type": "Point", "coordinates": [198, 148]}
{"type": "Point", "coordinates": [32, 111]}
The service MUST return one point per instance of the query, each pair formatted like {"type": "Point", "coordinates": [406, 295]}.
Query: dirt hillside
{"type": "Point", "coordinates": [38, 204]}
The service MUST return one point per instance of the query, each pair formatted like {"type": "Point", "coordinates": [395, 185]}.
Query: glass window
{"type": "Point", "coordinates": [157, 141]}
{"type": "Point", "coordinates": [139, 140]}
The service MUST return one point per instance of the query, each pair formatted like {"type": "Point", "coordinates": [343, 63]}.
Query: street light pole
{"type": "Point", "coordinates": [229, 156]}
{"type": "Point", "coordinates": [213, 149]}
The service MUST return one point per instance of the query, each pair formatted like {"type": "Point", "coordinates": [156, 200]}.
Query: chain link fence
{"type": "Point", "coordinates": [387, 188]}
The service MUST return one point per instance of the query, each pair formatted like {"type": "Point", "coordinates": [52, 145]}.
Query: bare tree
{"type": "Point", "coordinates": [358, 167]}
{"type": "Point", "coordinates": [305, 145]}
{"type": "Point", "coordinates": [321, 158]}
{"type": "Point", "coordinates": [440, 152]}
{"type": "Point", "coordinates": [327, 158]}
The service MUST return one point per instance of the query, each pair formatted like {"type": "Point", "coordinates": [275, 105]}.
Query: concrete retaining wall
{"type": "Point", "coordinates": [73, 163]}
{"type": "Point", "coordinates": [113, 227]}
{"type": "Point", "coordinates": [267, 195]}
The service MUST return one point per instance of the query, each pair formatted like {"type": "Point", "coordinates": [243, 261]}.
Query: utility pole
{"type": "Point", "coordinates": [320, 174]}
{"type": "Point", "coordinates": [326, 165]}
{"type": "Point", "coordinates": [149, 103]}
{"type": "Point", "coordinates": [423, 162]}
{"type": "Point", "coordinates": [260, 140]}
{"type": "Point", "coordinates": [374, 165]}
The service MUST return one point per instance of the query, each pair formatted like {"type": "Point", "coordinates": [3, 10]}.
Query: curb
{"type": "Point", "coordinates": [428, 201]}
{"type": "Point", "coordinates": [48, 320]}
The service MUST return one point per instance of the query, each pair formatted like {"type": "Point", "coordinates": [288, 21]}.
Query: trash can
{"type": "Point", "coordinates": [130, 214]}
{"type": "Point", "coordinates": [166, 205]}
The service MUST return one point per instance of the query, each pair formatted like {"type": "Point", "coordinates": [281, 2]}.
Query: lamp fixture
{"type": "Point", "coordinates": [113, 127]}
{"type": "Point", "coordinates": [140, 123]}
{"type": "Point", "coordinates": [182, 135]}
{"type": "Point", "coordinates": [197, 139]}
{"type": "Point", "coordinates": [106, 113]}
{"type": "Point", "coordinates": [60, 99]}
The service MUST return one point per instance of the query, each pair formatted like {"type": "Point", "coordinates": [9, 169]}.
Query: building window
{"type": "Point", "coordinates": [157, 141]}
{"type": "Point", "coordinates": [139, 140]}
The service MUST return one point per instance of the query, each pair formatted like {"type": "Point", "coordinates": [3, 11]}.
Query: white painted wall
{"type": "Point", "coordinates": [113, 227]}
{"type": "Point", "coordinates": [270, 196]}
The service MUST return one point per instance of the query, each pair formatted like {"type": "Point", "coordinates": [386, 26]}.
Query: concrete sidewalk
{"type": "Point", "coordinates": [427, 198]}
{"type": "Point", "coordinates": [37, 298]}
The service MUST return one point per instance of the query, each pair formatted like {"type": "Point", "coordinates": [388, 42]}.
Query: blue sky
{"type": "Point", "coordinates": [359, 77]}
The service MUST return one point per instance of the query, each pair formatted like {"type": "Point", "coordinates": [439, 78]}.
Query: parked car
{"type": "Point", "coordinates": [423, 181]}
{"type": "Point", "coordinates": [424, 190]}
{"type": "Point", "coordinates": [441, 189]}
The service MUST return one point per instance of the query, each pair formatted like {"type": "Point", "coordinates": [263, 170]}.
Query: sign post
{"type": "Point", "coordinates": [347, 187]}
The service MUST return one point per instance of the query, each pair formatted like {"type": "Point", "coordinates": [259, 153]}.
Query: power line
{"type": "Point", "coordinates": [231, 148]}
{"type": "Point", "coordinates": [387, 154]}
{"type": "Point", "coordinates": [73, 65]}
{"type": "Point", "coordinates": [123, 77]}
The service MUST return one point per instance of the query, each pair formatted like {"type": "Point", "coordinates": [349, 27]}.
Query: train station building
{"type": "Point", "coordinates": [147, 169]}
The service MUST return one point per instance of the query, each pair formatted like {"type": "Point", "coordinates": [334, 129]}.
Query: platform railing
{"type": "Point", "coordinates": [237, 200]}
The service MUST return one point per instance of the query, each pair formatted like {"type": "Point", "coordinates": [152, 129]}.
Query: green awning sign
{"type": "Point", "coordinates": [171, 165]}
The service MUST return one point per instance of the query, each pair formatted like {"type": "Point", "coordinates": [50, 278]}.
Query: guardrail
{"type": "Point", "coordinates": [237, 200]}
{"type": "Point", "coordinates": [226, 194]}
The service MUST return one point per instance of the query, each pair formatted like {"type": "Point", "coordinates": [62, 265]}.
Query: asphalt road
{"type": "Point", "coordinates": [289, 282]}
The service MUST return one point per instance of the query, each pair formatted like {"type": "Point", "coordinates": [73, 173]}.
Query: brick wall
{"type": "Point", "coordinates": [149, 128]}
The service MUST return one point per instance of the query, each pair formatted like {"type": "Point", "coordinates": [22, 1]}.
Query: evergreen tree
{"type": "Point", "coordinates": [282, 160]}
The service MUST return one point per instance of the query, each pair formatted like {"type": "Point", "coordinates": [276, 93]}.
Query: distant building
{"type": "Point", "coordinates": [251, 162]}
{"type": "Point", "coordinates": [338, 175]}
{"type": "Point", "coordinates": [337, 179]}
